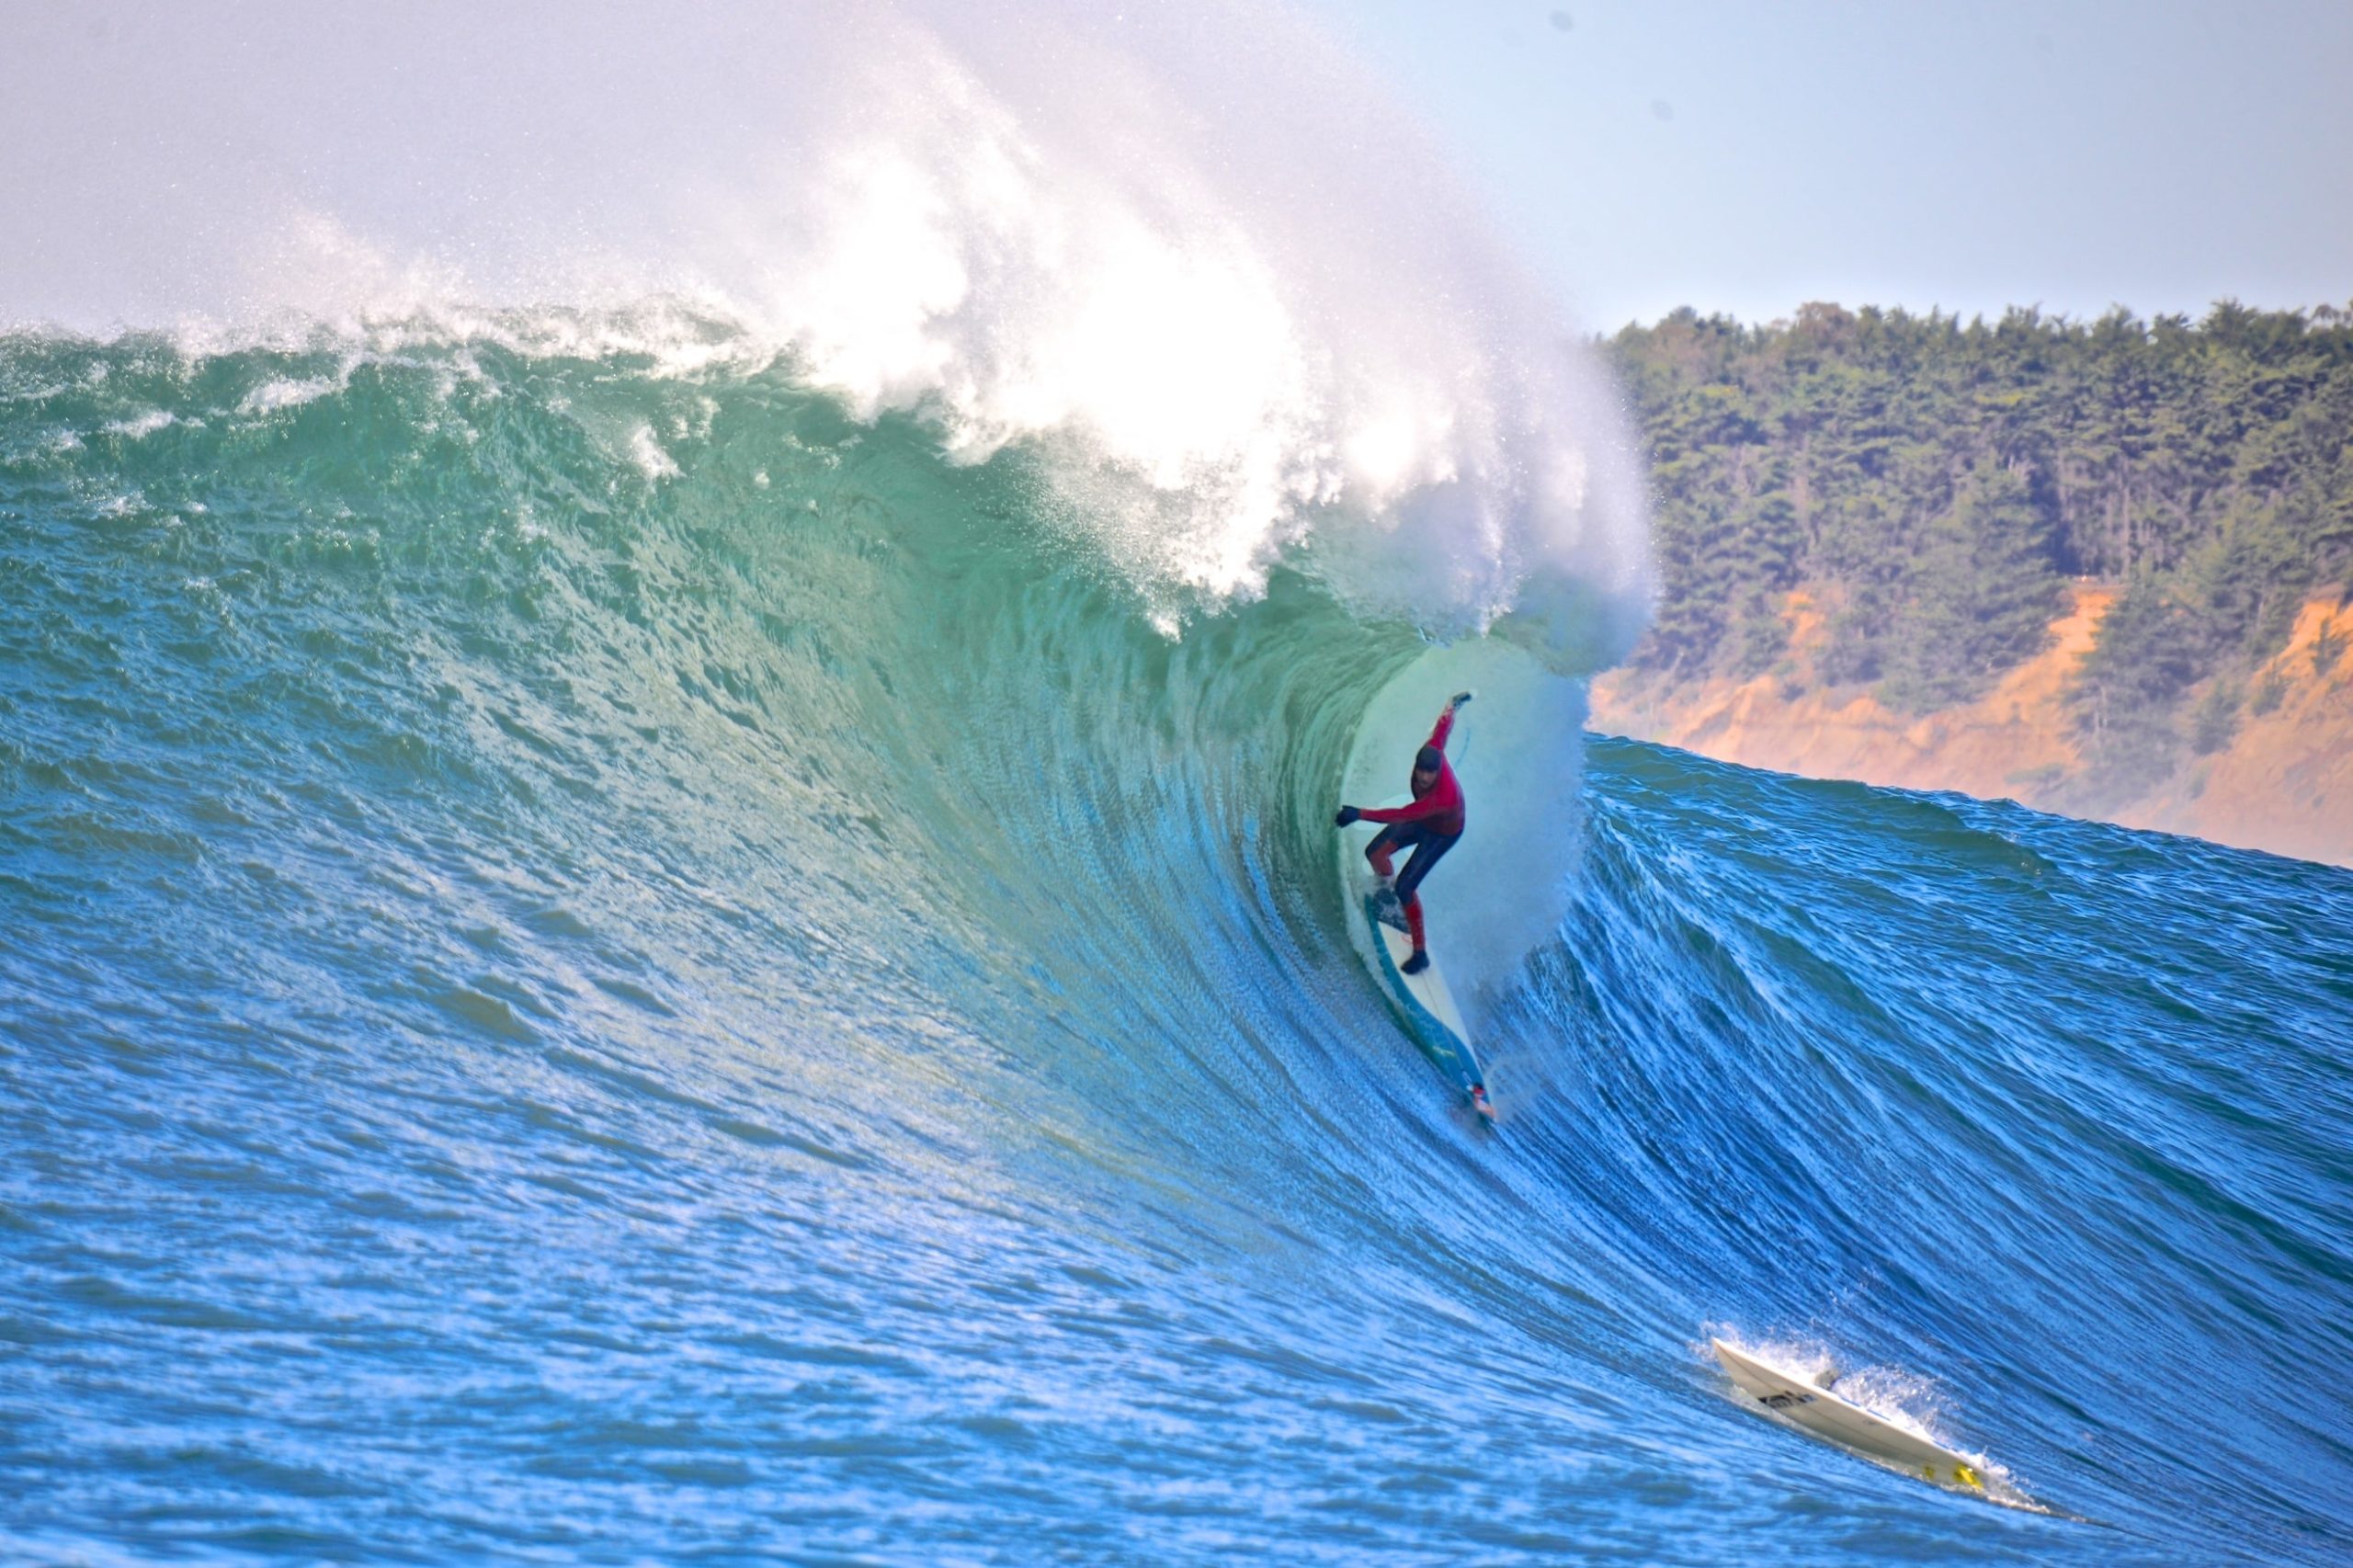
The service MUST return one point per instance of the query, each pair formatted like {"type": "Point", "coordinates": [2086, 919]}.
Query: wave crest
{"type": "Point", "coordinates": [1215, 288]}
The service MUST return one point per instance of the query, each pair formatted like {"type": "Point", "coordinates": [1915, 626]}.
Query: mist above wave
{"type": "Point", "coordinates": [1191, 263]}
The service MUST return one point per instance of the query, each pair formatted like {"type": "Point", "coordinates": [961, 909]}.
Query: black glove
{"type": "Point", "coordinates": [1345, 815]}
{"type": "Point", "coordinates": [1460, 699]}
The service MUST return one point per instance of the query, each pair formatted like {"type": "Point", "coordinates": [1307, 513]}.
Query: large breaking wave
{"type": "Point", "coordinates": [1212, 283]}
{"type": "Point", "coordinates": [665, 832]}
{"type": "Point", "coordinates": [636, 942]}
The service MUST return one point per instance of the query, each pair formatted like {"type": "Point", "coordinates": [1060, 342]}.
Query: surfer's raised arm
{"type": "Point", "coordinates": [1444, 727]}
{"type": "Point", "coordinates": [1435, 791]}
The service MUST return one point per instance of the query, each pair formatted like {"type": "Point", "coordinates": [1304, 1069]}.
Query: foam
{"type": "Point", "coordinates": [1189, 264]}
{"type": "Point", "coordinates": [140, 426]}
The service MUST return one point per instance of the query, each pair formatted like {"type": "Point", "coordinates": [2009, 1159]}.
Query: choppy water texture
{"type": "Point", "coordinates": [607, 967]}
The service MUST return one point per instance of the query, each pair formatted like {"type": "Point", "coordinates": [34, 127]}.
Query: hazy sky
{"type": "Point", "coordinates": [1737, 155]}
{"type": "Point", "coordinates": [1963, 153]}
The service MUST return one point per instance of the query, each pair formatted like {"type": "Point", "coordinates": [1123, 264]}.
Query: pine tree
{"type": "Point", "coordinates": [1929, 482]}
{"type": "Point", "coordinates": [1984, 593]}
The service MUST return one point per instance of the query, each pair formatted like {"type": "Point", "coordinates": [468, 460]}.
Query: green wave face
{"type": "Point", "coordinates": [863, 727]}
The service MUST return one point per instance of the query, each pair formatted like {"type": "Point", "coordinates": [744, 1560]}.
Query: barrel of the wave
{"type": "Point", "coordinates": [1419, 995]}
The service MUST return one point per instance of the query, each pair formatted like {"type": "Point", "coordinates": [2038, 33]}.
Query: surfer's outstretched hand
{"type": "Point", "coordinates": [1345, 815]}
{"type": "Point", "coordinates": [1456, 701]}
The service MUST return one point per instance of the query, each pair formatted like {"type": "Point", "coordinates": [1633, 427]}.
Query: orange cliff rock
{"type": "Point", "coordinates": [2284, 783]}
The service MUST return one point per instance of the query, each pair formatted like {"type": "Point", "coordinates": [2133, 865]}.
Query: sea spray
{"type": "Point", "coordinates": [1211, 286]}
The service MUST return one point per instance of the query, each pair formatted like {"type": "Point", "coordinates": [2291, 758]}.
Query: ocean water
{"type": "Point", "coordinates": [611, 964]}
{"type": "Point", "coordinates": [668, 892]}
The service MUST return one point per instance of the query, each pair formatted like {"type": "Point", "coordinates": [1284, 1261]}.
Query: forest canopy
{"type": "Point", "coordinates": [1932, 485]}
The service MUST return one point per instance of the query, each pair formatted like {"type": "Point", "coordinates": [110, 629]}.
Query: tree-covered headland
{"type": "Point", "coordinates": [1931, 485]}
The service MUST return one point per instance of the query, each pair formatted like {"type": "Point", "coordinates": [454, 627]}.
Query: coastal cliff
{"type": "Point", "coordinates": [2278, 777]}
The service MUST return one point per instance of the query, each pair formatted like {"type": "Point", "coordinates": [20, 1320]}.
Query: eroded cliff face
{"type": "Point", "coordinates": [2283, 782]}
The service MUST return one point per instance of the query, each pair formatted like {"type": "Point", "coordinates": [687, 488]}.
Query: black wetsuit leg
{"type": "Point", "coordinates": [1427, 846]}
{"type": "Point", "coordinates": [1431, 848]}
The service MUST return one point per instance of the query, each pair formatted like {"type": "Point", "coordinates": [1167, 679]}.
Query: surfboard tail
{"type": "Point", "coordinates": [1421, 999]}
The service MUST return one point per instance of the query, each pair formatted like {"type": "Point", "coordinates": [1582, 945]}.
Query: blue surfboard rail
{"type": "Point", "coordinates": [1449, 1052]}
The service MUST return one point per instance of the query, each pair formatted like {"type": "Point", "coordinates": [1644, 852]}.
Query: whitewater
{"type": "Point", "coordinates": [671, 895]}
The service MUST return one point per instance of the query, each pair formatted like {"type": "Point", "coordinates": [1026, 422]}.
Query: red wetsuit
{"type": "Point", "coordinates": [1441, 804]}
{"type": "Point", "coordinates": [1431, 826]}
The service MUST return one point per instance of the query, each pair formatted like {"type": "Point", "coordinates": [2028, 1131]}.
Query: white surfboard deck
{"type": "Point", "coordinates": [1424, 1000]}
{"type": "Point", "coordinates": [1799, 1399]}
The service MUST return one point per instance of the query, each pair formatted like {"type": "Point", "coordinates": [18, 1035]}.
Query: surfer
{"type": "Point", "coordinates": [1429, 827]}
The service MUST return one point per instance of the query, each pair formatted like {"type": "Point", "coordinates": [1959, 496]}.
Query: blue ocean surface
{"type": "Point", "coordinates": [610, 965]}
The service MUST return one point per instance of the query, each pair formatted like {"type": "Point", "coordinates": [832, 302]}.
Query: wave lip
{"type": "Point", "coordinates": [1205, 276]}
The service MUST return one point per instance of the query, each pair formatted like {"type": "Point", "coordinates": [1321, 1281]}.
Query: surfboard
{"type": "Point", "coordinates": [1421, 1001]}
{"type": "Point", "coordinates": [1801, 1401]}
